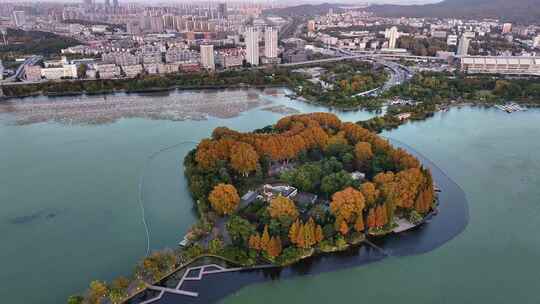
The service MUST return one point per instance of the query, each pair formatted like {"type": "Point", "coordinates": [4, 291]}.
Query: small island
{"type": "Point", "coordinates": [308, 184]}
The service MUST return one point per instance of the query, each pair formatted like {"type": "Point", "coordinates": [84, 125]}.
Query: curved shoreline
{"type": "Point", "coordinates": [447, 224]}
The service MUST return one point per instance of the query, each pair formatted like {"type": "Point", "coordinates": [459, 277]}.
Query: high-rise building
{"type": "Point", "coordinates": [392, 37]}
{"type": "Point", "coordinates": [19, 18]}
{"type": "Point", "coordinates": [311, 26]}
{"type": "Point", "coordinates": [222, 10]}
{"type": "Point", "coordinates": [107, 3]}
{"type": "Point", "coordinates": [251, 38]}
{"type": "Point", "coordinates": [463, 47]}
{"type": "Point", "coordinates": [207, 56]}
{"type": "Point", "coordinates": [115, 3]}
{"type": "Point", "coordinates": [536, 42]}
{"type": "Point", "coordinates": [507, 28]}
{"type": "Point", "coordinates": [270, 42]}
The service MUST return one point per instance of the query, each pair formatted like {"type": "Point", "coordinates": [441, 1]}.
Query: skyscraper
{"type": "Point", "coordinates": [222, 10]}
{"type": "Point", "coordinates": [392, 37]}
{"type": "Point", "coordinates": [507, 28]}
{"type": "Point", "coordinates": [251, 38]}
{"type": "Point", "coordinates": [107, 3]}
{"type": "Point", "coordinates": [311, 25]}
{"type": "Point", "coordinates": [207, 56]}
{"type": "Point", "coordinates": [463, 47]}
{"type": "Point", "coordinates": [270, 42]}
{"type": "Point", "coordinates": [19, 18]}
{"type": "Point", "coordinates": [115, 3]}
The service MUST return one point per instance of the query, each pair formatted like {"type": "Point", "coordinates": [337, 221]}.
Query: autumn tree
{"type": "Point", "coordinates": [265, 239]}
{"type": "Point", "coordinates": [347, 203]}
{"type": "Point", "coordinates": [294, 231]}
{"type": "Point", "coordinates": [244, 158]}
{"type": "Point", "coordinates": [371, 220]}
{"type": "Point", "coordinates": [97, 291]}
{"type": "Point", "coordinates": [274, 247]}
{"type": "Point", "coordinates": [319, 235]}
{"type": "Point", "coordinates": [426, 195]}
{"type": "Point", "coordinates": [359, 223]}
{"type": "Point", "coordinates": [255, 242]}
{"type": "Point", "coordinates": [342, 226]}
{"type": "Point", "coordinates": [305, 235]}
{"type": "Point", "coordinates": [282, 207]}
{"type": "Point", "coordinates": [381, 218]}
{"type": "Point", "coordinates": [408, 182]}
{"type": "Point", "coordinates": [224, 199]}
{"type": "Point", "coordinates": [370, 192]}
{"type": "Point", "coordinates": [363, 154]}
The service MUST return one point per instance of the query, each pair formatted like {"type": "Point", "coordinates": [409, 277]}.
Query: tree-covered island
{"type": "Point", "coordinates": [308, 184]}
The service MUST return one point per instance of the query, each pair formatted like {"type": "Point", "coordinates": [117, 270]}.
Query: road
{"type": "Point", "coordinates": [398, 73]}
{"type": "Point", "coordinates": [20, 70]}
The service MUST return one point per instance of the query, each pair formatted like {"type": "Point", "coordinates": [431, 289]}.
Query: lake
{"type": "Point", "coordinates": [70, 205]}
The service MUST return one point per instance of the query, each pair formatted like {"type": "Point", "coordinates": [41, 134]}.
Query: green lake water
{"type": "Point", "coordinates": [70, 213]}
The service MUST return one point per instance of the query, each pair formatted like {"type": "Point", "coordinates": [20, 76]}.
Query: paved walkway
{"type": "Point", "coordinates": [201, 272]}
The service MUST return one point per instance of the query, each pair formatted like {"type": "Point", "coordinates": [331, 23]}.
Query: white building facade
{"type": "Point", "coordinates": [251, 38]}
{"type": "Point", "coordinates": [270, 42]}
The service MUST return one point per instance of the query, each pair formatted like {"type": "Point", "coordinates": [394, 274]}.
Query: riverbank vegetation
{"type": "Point", "coordinates": [339, 84]}
{"type": "Point", "coordinates": [143, 83]}
{"type": "Point", "coordinates": [437, 88]}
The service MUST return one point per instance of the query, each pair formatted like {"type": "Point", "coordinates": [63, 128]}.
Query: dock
{"type": "Point", "coordinates": [511, 107]}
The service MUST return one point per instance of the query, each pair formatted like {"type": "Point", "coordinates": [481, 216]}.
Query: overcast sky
{"type": "Point", "coordinates": [277, 1]}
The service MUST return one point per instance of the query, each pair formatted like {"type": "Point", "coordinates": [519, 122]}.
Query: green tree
{"type": "Point", "coordinates": [335, 182]}
{"type": "Point", "coordinates": [240, 230]}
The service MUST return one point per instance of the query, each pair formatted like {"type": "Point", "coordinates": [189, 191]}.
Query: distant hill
{"type": "Point", "coordinates": [517, 11]}
{"type": "Point", "coordinates": [304, 10]}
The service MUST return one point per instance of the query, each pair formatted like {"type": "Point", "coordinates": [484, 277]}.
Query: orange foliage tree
{"type": "Point", "coordinates": [224, 199]}
{"type": "Point", "coordinates": [347, 203]}
{"type": "Point", "coordinates": [363, 153]}
{"type": "Point", "coordinates": [282, 207]}
{"type": "Point", "coordinates": [370, 192]}
{"type": "Point", "coordinates": [255, 242]}
{"type": "Point", "coordinates": [305, 235]}
{"type": "Point", "coordinates": [274, 247]}
{"type": "Point", "coordinates": [244, 158]}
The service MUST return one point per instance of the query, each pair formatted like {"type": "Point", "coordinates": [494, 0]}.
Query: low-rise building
{"type": "Point", "coordinates": [59, 72]}
{"type": "Point", "coordinates": [32, 72]}
{"type": "Point", "coordinates": [151, 68]}
{"type": "Point", "coordinates": [292, 56]}
{"type": "Point", "coordinates": [107, 71]}
{"type": "Point", "coordinates": [132, 71]}
{"type": "Point", "coordinates": [230, 61]}
{"type": "Point", "coordinates": [190, 67]}
{"type": "Point", "coordinates": [168, 68]}
{"type": "Point", "coordinates": [511, 65]}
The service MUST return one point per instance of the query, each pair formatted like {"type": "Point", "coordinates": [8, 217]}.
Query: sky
{"type": "Point", "coordinates": [278, 1]}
